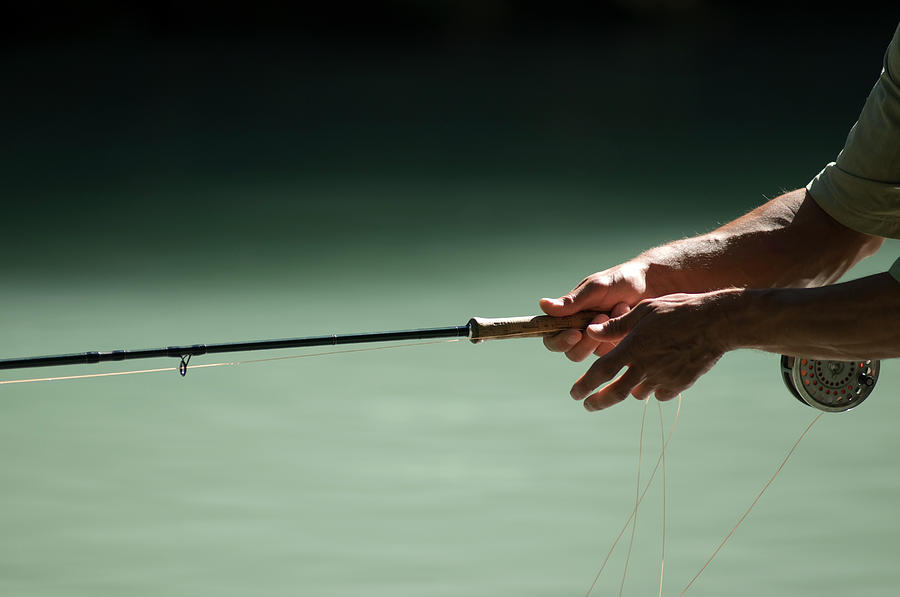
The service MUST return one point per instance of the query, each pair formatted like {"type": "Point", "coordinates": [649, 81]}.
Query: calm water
{"type": "Point", "coordinates": [447, 469]}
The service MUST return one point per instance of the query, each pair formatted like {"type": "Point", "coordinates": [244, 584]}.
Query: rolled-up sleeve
{"type": "Point", "coordinates": [861, 189]}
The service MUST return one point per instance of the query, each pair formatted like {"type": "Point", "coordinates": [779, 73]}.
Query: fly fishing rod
{"type": "Point", "coordinates": [832, 386]}
{"type": "Point", "coordinates": [477, 330]}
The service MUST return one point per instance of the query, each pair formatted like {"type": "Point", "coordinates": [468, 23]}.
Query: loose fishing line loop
{"type": "Point", "coordinates": [659, 461]}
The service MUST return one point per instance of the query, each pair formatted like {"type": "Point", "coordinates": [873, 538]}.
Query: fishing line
{"type": "Point", "coordinates": [662, 455]}
{"type": "Point", "coordinates": [643, 493]}
{"type": "Point", "coordinates": [637, 497]}
{"type": "Point", "coordinates": [755, 500]}
{"type": "Point", "coordinates": [228, 363]}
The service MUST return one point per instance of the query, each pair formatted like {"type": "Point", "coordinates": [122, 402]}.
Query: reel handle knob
{"type": "Point", "coordinates": [866, 380]}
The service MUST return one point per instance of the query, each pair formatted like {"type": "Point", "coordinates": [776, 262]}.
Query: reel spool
{"type": "Point", "coordinates": [832, 386]}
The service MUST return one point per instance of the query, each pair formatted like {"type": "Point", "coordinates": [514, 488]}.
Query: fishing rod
{"type": "Point", "coordinates": [832, 386]}
{"type": "Point", "coordinates": [476, 329]}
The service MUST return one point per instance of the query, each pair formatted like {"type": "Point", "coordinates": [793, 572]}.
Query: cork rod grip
{"type": "Point", "coordinates": [482, 328]}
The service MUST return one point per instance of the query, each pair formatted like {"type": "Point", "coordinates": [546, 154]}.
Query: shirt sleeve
{"type": "Point", "coordinates": [861, 189]}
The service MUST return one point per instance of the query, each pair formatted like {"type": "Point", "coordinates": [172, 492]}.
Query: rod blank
{"type": "Point", "coordinates": [477, 329]}
{"type": "Point", "coordinates": [181, 352]}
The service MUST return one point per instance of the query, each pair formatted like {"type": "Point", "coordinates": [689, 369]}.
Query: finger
{"type": "Point", "coordinates": [620, 309]}
{"type": "Point", "coordinates": [617, 311]}
{"type": "Point", "coordinates": [663, 394]}
{"type": "Point", "coordinates": [586, 347]}
{"type": "Point", "coordinates": [588, 294]}
{"type": "Point", "coordinates": [562, 341]}
{"type": "Point", "coordinates": [614, 392]}
{"type": "Point", "coordinates": [603, 370]}
{"type": "Point", "coordinates": [616, 328]}
{"type": "Point", "coordinates": [643, 390]}
{"type": "Point", "coordinates": [603, 348]}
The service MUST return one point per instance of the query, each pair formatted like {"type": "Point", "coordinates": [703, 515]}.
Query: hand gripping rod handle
{"type": "Point", "coordinates": [482, 328]}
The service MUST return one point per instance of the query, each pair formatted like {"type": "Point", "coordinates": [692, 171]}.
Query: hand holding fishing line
{"type": "Point", "coordinates": [658, 340]}
{"type": "Point", "coordinates": [659, 344]}
{"type": "Point", "coordinates": [666, 343]}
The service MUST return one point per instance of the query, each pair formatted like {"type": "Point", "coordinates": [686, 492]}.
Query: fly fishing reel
{"type": "Point", "coordinates": [832, 386]}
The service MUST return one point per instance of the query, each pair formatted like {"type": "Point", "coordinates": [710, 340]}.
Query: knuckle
{"type": "Point", "coordinates": [640, 346]}
{"type": "Point", "coordinates": [640, 393]}
{"type": "Point", "coordinates": [684, 381]}
{"type": "Point", "coordinates": [636, 373]}
{"type": "Point", "coordinates": [592, 284]}
{"type": "Point", "coordinates": [645, 305]}
{"type": "Point", "coordinates": [590, 279]}
{"type": "Point", "coordinates": [664, 395]}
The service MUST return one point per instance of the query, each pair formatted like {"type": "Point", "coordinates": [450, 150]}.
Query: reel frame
{"type": "Point", "coordinates": [832, 386]}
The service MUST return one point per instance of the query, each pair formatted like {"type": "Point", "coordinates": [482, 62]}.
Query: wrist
{"type": "Point", "coordinates": [683, 266]}
{"type": "Point", "coordinates": [662, 273]}
{"type": "Point", "coordinates": [737, 318]}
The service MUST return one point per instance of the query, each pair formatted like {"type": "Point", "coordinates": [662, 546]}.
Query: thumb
{"type": "Point", "coordinates": [582, 298]}
{"type": "Point", "coordinates": [558, 307]}
{"type": "Point", "coordinates": [615, 329]}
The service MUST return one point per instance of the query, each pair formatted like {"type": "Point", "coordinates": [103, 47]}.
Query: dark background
{"type": "Point", "coordinates": [152, 130]}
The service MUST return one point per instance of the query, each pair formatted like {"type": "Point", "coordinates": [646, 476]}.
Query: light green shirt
{"type": "Point", "coordinates": [861, 189]}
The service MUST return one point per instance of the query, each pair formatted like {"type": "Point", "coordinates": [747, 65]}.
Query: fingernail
{"type": "Point", "coordinates": [575, 393]}
{"type": "Point", "coordinates": [553, 301]}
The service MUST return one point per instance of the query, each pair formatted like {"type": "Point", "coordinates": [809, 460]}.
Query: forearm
{"type": "Point", "coordinates": [853, 320]}
{"type": "Point", "coordinates": [787, 242]}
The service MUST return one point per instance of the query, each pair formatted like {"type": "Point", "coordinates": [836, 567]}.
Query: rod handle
{"type": "Point", "coordinates": [483, 328]}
